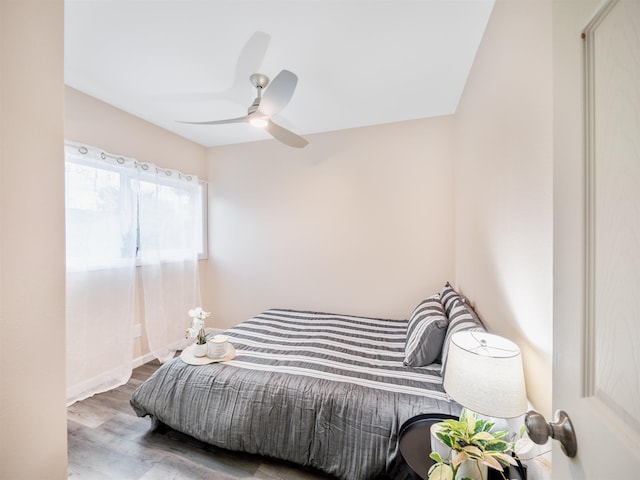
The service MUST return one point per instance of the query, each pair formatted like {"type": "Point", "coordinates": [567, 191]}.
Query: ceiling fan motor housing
{"type": "Point", "coordinates": [259, 80]}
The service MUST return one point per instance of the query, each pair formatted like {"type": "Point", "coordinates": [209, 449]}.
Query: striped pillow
{"type": "Point", "coordinates": [447, 296]}
{"type": "Point", "coordinates": [461, 318]}
{"type": "Point", "coordinates": [425, 333]}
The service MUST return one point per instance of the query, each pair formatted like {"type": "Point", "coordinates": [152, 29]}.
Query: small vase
{"type": "Point", "coordinates": [472, 469]}
{"type": "Point", "coordinates": [200, 350]}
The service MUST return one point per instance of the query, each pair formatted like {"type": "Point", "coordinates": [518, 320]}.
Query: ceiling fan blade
{"type": "Point", "coordinates": [251, 57]}
{"type": "Point", "coordinates": [285, 136]}
{"type": "Point", "coordinates": [278, 93]}
{"type": "Point", "coordinates": [249, 61]}
{"type": "Point", "coordinates": [219, 122]}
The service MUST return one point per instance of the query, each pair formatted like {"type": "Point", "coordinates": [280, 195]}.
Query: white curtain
{"type": "Point", "coordinates": [121, 213]}
{"type": "Point", "coordinates": [169, 207]}
{"type": "Point", "coordinates": [100, 245]}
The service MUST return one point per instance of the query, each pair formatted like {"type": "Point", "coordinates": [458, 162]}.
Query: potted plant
{"type": "Point", "coordinates": [197, 330]}
{"type": "Point", "coordinates": [474, 447]}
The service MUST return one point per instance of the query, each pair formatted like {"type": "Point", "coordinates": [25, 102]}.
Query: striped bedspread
{"type": "Point", "coordinates": [323, 390]}
{"type": "Point", "coordinates": [340, 348]}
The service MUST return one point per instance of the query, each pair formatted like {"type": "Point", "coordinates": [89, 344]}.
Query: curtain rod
{"type": "Point", "coordinates": [83, 149]}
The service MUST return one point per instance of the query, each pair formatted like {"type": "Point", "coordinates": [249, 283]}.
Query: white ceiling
{"type": "Point", "coordinates": [359, 62]}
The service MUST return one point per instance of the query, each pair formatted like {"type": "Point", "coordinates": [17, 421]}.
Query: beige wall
{"type": "Point", "coordinates": [504, 183]}
{"type": "Point", "coordinates": [33, 427]}
{"type": "Point", "coordinates": [92, 122]}
{"type": "Point", "coordinates": [360, 222]}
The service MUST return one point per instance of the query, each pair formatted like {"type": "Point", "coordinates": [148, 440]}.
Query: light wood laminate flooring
{"type": "Point", "coordinates": [106, 440]}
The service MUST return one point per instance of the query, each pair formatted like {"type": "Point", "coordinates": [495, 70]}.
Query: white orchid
{"type": "Point", "coordinates": [198, 313]}
{"type": "Point", "coordinates": [196, 330]}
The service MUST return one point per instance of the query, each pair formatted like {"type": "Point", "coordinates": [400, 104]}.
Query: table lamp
{"type": "Point", "coordinates": [484, 374]}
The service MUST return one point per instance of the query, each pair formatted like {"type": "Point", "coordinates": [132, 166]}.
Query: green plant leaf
{"type": "Point", "coordinates": [451, 424]}
{"type": "Point", "coordinates": [435, 456]}
{"type": "Point", "coordinates": [491, 462]}
{"type": "Point", "coordinates": [498, 446]}
{"type": "Point", "coordinates": [471, 423]}
{"type": "Point", "coordinates": [484, 426]}
{"type": "Point", "coordinates": [446, 439]}
{"type": "Point", "coordinates": [441, 471]}
{"type": "Point", "coordinates": [459, 458]}
{"type": "Point", "coordinates": [483, 436]}
{"type": "Point", "coordinates": [472, 451]}
{"type": "Point", "coordinates": [505, 459]}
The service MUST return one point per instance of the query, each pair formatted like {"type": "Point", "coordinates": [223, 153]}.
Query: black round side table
{"type": "Point", "coordinates": [415, 442]}
{"type": "Point", "coordinates": [415, 447]}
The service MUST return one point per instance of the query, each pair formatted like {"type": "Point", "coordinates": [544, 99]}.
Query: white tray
{"type": "Point", "coordinates": [187, 356]}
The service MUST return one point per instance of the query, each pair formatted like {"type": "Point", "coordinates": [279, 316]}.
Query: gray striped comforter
{"type": "Point", "coordinates": [322, 390]}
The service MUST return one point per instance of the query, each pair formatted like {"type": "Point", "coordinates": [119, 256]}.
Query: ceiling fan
{"type": "Point", "coordinates": [266, 105]}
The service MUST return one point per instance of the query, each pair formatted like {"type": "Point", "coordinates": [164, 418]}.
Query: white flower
{"type": "Point", "coordinates": [198, 313]}
{"type": "Point", "coordinates": [197, 324]}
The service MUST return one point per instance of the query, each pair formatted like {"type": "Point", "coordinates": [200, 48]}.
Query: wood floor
{"type": "Point", "coordinates": [106, 440]}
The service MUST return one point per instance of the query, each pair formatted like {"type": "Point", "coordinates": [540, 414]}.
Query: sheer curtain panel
{"type": "Point", "coordinates": [126, 218]}
{"type": "Point", "coordinates": [100, 280]}
{"type": "Point", "coordinates": [170, 213]}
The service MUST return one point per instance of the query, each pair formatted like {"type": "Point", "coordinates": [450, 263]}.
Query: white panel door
{"type": "Point", "coordinates": [597, 339]}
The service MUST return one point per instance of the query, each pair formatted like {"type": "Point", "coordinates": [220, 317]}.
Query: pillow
{"type": "Point", "coordinates": [447, 296]}
{"type": "Point", "coordinates": [462, 318]}
{"type": "Point", "coordinates": [425, 333]}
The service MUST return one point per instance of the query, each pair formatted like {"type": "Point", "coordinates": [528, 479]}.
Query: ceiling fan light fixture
{"type": "Point", "coordinates": [258, 122]}
{"type": "Point", "coordinates": [266, 106]}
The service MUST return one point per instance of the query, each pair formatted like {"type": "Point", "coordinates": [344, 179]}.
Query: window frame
{"type": "Point", "coordinates": [203, 254]}
{"type": "Point", "coordinates": [126, 179]}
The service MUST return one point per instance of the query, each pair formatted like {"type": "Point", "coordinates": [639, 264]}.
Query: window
{"type": "Point", "coordinates": [118, 209]}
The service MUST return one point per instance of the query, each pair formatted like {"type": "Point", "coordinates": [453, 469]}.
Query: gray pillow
{"type": "Point", "coordinates": [461, 318]}
{"type": "Point", "coordinates": [425, 333]}
{"type": "Point", "coordinates": [447, 296]}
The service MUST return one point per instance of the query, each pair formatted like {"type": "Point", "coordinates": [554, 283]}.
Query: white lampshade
{"type": "Point", "coordinates": [484, 374]}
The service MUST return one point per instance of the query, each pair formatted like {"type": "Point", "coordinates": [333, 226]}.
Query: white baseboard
{"type": "Point", "coordinates": [97, 384]}
{"type": "Point", "coordinates": [147, 357]}
{"type": "Point", "coordinates": [139, 361]}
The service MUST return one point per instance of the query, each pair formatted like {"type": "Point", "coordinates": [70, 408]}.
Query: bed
{"type": "Point", "coordinates": [322, 390]}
